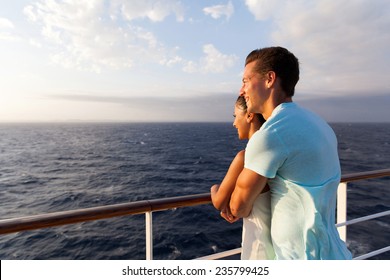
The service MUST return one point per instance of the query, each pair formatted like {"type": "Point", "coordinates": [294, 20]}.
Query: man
{"type": "Point", "coordinates": [295, 151]}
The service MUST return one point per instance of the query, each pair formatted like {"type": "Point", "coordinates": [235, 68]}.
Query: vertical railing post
{"type": "Point", "coordinates": [149, 235]}
{"type": "Point", "coordinates": [342, 209]}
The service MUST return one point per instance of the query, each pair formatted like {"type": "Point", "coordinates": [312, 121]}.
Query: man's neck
{"type": "Point", "coordinates": [275, 101]}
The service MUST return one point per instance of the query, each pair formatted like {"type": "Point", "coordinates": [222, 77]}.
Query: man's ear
{"type": "Point", "coordinates": [271, 78]}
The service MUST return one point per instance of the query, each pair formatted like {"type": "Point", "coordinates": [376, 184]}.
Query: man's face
{"type": "Point", "coordinates": [253, 89]}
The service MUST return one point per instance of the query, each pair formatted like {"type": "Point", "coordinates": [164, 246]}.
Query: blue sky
{"type": "Point", "coordinates": [146, 60]}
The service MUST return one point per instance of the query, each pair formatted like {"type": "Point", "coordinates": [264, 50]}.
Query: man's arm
{"type": "Point", "coordinates": [249, 185]}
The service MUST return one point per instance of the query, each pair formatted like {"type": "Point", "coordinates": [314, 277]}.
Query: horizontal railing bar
{"type": "Point", "coordinates": [221, 255]}
{"type": "Point", "coordinates": [362, 219]}
{"type": "Point", "coordinates": [365, 175]}
{"type": "Point", "coordinates": [131, 208]}
{"type": "Point", "coordinates": [373, 253]}
{"type": "Point", "coordinates": [101, 212]}
{"type": "Point", "coordinates": [238, 250]}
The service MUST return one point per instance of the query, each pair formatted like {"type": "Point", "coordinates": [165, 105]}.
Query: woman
{"type": "Point", "coordinates": [256, 237]}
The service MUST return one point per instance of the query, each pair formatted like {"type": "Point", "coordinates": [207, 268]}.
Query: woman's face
{"type": "Point", "coordinates": [241, 123]}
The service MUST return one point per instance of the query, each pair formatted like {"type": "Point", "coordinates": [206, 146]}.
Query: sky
{"type": "Point", "coordinates": [181, 61]}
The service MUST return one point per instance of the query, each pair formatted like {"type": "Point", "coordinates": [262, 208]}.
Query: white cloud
{"type": "Point", "coordinates": [263, 10]}
{"type": "Point", "coordinates": [213, 61]}
{"type": "Point", "coordinates": [6, 31]}
{"type": "Point", "coordinates": [172, 61]}
{"type": "Point", "coordinates": [6, 23]}
{"type": "Point", "coordinates": [151, 9]}
{"type": "Point", "coordinates": [340, 44]}
{"type": "Point", "coordinates": [35, 43]}
{"type": "Point", "coordinates": [190, 67]}
{"type": "Point", "coordinates": [8, 37]}
{"type": "Point", "coordinates": [88, 35]}
{"type": "Point", "coordinates": [218, 11]}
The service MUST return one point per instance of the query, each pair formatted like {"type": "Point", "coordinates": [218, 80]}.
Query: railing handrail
{"type": "Point", "coordinates": [131, 208]}
{"type": "Point", "coordinates": [365, 175]}
{"type": "Point", "coordinates": [100, 212]}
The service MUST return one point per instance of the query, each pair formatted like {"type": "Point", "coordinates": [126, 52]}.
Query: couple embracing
{"type": "Point", "coordinates": [284, 184]}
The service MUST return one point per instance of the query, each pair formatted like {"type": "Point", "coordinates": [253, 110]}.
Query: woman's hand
{"type": "Point", "coordinates": [227, 215]}
{"type": "Point", "coordinates": [225, 209]}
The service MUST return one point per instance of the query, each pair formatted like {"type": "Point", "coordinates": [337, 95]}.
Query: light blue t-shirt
{"type": "Point", "coordinates": [297, 151]}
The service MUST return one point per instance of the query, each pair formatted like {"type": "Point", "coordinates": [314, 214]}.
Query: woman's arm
{"type": "Point", "coordinates": [220, 194]}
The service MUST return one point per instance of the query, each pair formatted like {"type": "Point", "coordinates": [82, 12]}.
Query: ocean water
{"type": "Point", "coordinates": [55, 167]}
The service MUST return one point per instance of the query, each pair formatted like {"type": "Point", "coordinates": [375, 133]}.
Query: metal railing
{"type": "Point", "coordinates": [148, 206]}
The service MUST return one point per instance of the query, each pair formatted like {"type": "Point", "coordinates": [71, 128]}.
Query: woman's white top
{"type": "Point", "coordinates": [256, 231]}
